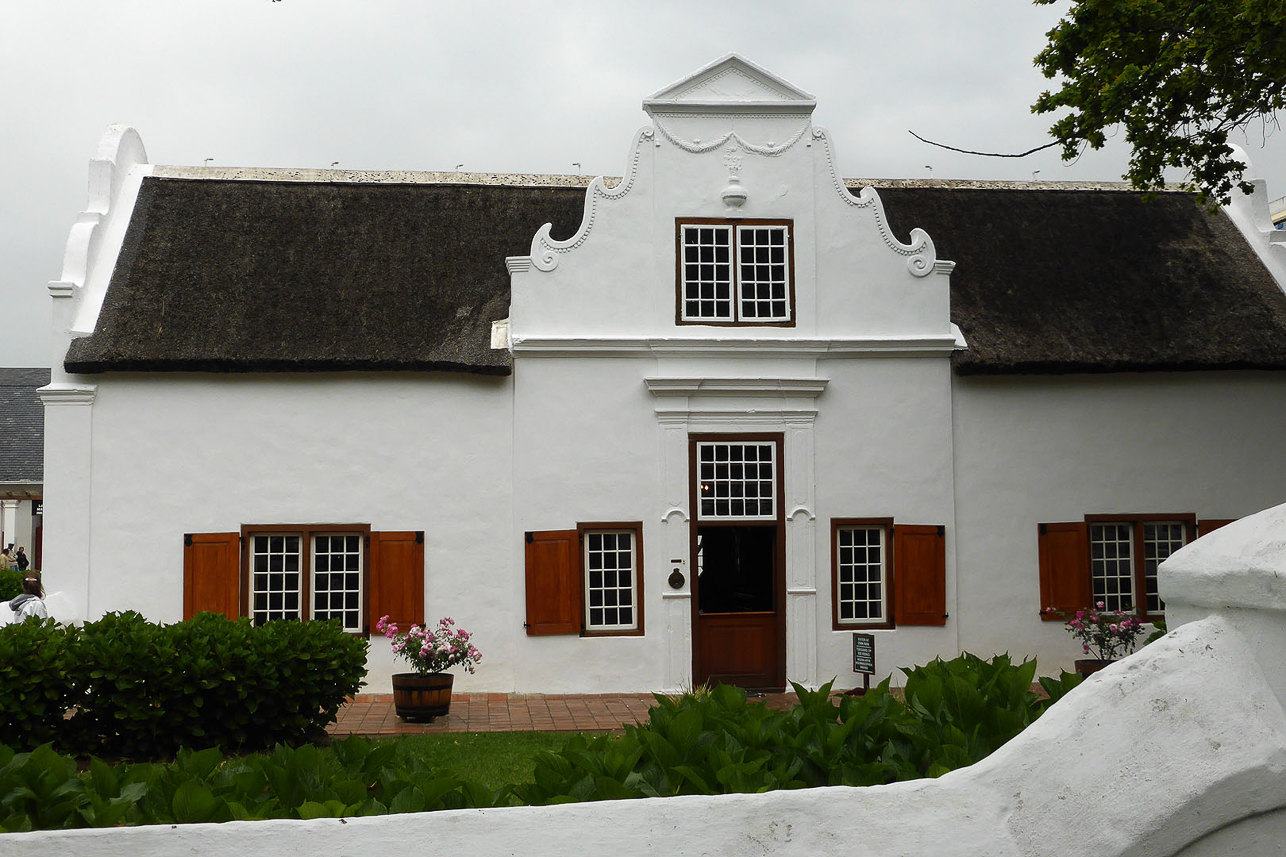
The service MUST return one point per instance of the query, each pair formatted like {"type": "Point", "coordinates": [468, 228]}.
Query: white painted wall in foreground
{"type": "Point", "coordinates": [1177, 750]}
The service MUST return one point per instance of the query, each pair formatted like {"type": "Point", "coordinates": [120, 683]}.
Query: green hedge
{"type": "Point", "coordinates": [10, 584]}
{"type": "Point", "coordinates": [123, 686]}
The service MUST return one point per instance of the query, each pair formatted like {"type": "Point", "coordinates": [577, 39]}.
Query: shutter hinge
{"type": "Point", "coordinates": [241, 540]}
{"type": "Point", "coordinates": [530, 537]}
{"type": "Point", "coordinates": [187, 540]}
{"type": "Point", "coordinates": [942, 530]}
{"type": "Point", "coordinates": [368, 540]}
{"type": "Point", "coordinates": [419, 537]}
{"type": "Point", "coordinates": [1042, 529]}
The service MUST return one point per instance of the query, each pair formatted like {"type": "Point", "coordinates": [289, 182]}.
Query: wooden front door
{"type": "Point", "coordinates": [738, 553]}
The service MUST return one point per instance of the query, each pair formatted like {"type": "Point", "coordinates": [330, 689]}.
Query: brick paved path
{"type": "Point", "coordinates": [372, 714]}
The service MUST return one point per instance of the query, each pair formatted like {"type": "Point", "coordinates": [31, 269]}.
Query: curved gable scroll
{"type": "Point", "coordinates": [545, 250]}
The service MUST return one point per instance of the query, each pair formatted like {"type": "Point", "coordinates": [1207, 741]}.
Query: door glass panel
{"type": "Point", "coordinates": [735, 569]}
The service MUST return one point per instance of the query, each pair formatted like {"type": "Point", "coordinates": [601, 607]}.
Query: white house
{"type": "Point", "coordinates": [725, 412]}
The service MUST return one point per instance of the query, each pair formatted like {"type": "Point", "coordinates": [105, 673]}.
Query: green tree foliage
{"type": "Point", "coordinates": [1177, 75]}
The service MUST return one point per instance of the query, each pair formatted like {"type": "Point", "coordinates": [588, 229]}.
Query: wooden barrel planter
{"type": "Point", "coordinates": [1089, 666]}
{"type": "Point", "coordinates": [421, 697]}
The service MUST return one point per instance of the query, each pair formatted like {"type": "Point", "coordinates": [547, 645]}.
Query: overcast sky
{"type": "Point", "coordinates": [497, 87]}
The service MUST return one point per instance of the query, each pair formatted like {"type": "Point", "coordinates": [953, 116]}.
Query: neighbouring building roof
{"type": "Point", "coordinates": [22, 425]}
{"type": "Point", "coordinates": [244, 272]}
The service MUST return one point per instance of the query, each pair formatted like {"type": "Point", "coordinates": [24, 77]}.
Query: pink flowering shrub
{"type": "Point", "coordinates": [432, 651]}
{"type": "Point", "coordinates": [1104, 634]}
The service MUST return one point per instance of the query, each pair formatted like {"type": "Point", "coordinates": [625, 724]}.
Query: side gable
{"type": "Point", "coordinates": [1065, 281]}
{"type": "Point", "coordinates": [259, 276]}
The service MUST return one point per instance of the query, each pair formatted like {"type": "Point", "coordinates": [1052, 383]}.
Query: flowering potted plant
{"type": "Point", "coordinates": [426, 693]}
{"type": "Point", "coordinates": [1105, 635]}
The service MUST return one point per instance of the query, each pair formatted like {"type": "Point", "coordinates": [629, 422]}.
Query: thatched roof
{"type": "Point", "coordinates": [323, 274]}
{"type": "Point", "coordinates": [289, 276]}
{"type": "Point", "coordinates": [22, 425]}
{"type": "Point", "coordinates": [1096, 281]}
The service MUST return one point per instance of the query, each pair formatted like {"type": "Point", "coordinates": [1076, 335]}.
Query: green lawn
{"type": "Point", "coordinates": [494, 759]}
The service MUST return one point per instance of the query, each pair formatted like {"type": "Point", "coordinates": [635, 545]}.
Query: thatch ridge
{"type": "Point", "coordinates": [257, 275]}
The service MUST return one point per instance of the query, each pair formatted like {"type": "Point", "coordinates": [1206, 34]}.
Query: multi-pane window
{"type": "Point", "coordinates": [860, 578]}
{"type": "Point", "coordinates": [1160, 539]}
{"type": "Point", "coordinates": [337, 579]}
{"type": "Point", "coordinates": [736, 480]}
{"type": "Point", "coordinates": [1112, 565]}
{"type": "Point", "coordinates": [733, 273]}
{"type": "Point", "coordinates": [307, 575]}
{"type": "Point", "coordinates": [275, 577]}
{"type": "Point", "coordinates": [611, 580]}
{"type": "Point", "coordinates": [1116, 576]}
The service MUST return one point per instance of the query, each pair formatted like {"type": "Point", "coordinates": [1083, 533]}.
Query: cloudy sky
{"type": "Point", "coordinates": [495, 86]}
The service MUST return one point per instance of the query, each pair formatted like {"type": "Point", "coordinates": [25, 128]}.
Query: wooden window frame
{"type": "Point", "coordinates": [886, 577]}
{"type": "Point", "coordinates": [1137, 547]}
{"type": "Point", "coordinates": [735, 274]}
{"type": "Point", "coordinates": [306, 533]}
{"type": "Point", "coordinates": [583, 529]}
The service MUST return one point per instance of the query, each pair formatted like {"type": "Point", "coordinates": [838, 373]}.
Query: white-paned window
{"type": "Point", "coordinates": [1112, 566]}
{"type": "Point", "coordinates": [1115, 546]}
{"type": "Point", "coordinates": [860, 575]}
{"type": "Point", "coordinates": [309, 574]}
{"type": "Point", "coordinates": [610, 564]}
{"type": "Point", "coordinates": [337, 579]}
{"type": "Point", "coordinates": [735, 273]}
{"type": "Point", "coordinates": [737, 480]}
{"type": "Point", "coordinates": [1160, 539]}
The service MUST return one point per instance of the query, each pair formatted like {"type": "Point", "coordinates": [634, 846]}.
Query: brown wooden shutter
{"type": "Point", "coordinates": [919, 575]}
{"type": "Point", "coordinates": [212, 574]}
{"type": "Point", "coordinates": [1064, 569]}
{"type": "Point", "coordinates": [553, 583]}
{"type": "Point", "coordinates": [1209, 525]}
{"type": "Point", "coordinates": [397, 579]}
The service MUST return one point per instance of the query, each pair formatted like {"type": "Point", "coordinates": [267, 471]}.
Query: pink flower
{"type": "Point", "coordinates": [1100, 605]}
{"type": "Point", "coordinates": [1113, 628]}
{"type": "Point", "coordinates": [1086, 648]}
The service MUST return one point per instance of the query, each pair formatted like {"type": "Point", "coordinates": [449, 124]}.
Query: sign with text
{"type": "Point", "coordinates": [864, 653]}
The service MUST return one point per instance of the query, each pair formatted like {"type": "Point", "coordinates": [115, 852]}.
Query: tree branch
{"type": "Point", "coordinates": [985, 154]}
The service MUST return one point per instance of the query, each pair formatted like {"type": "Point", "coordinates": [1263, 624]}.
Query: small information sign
{"type": "Point", "coordinates": [864, 653]}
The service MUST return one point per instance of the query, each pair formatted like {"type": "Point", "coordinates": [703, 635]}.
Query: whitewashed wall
{"type": "Point", "coordinates": [1032, 450]}
{"type": "Point", "coordinates": [175, 454]}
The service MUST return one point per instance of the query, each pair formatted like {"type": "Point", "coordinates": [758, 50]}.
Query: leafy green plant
{"type": "Point", "coordinates": [956, 713]}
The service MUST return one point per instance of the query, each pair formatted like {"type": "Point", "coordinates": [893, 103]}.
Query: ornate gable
{"type": "Point", "coordinates": [731, 84]}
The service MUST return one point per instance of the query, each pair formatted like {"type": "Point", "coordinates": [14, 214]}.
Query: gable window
{"type": "Point", "coordinates": [340, 572]}
{"type": "Point", "coordinates": [735, 272]}
{"type": "Point", "coordinates": [1109, 558]}
{"type": "Point", "coordinates": [585, 581]}
{"type": "Point", "coordinates": [884, 575]}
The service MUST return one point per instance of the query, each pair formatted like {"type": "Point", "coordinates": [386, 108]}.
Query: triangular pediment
{"type": "Point", "coordinates": [731, 84]}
